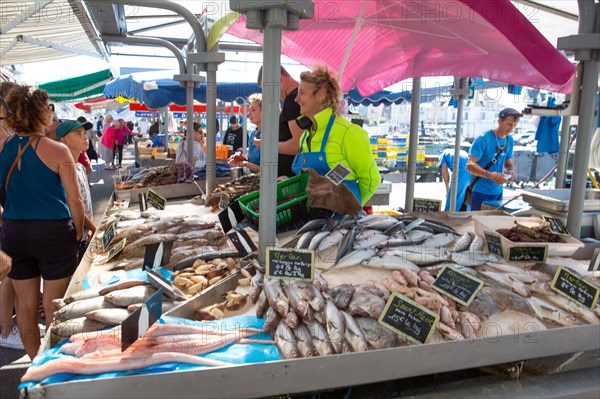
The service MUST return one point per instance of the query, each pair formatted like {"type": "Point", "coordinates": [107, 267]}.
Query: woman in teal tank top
{"type": "Point", "coordinates": [43, 210]}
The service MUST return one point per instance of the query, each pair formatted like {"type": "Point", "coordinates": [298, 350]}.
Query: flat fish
{"type": "Point", "coordinates": [377, 336]}
{"type": "Point", "coordinates": [130, 296]}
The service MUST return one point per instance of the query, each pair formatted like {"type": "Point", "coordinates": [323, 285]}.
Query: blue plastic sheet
{"type": "Point", "coordinates": [234, 354]}
{"type": "Point", "coordinates": [135, 274]}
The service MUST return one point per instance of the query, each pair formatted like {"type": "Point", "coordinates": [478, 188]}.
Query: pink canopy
{"type": "Point", "coordinates": [373, 44]}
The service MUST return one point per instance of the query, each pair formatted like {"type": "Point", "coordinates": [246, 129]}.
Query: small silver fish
{"type": "Point", "coordinates": [463, 242]}
{"type": "Point", "coordinates": [355, 258]}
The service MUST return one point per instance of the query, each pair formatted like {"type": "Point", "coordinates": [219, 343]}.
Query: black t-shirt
{"type": "Point", "coordinates": [290, 111]}
{"type": "Point", "coordinates": [234, 138]}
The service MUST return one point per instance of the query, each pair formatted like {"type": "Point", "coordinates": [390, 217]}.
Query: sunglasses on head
{"type": "Point", "coordinates": [8, 111]}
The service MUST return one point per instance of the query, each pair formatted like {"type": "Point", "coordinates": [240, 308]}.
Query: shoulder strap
{"type": "Point", "coordinates": [20, 153]}
{"type": "Point", "coordinates": [493, 161]}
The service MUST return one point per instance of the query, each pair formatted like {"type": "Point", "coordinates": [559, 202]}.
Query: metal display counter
{"type": "Point", "coordinates": [320, 373]}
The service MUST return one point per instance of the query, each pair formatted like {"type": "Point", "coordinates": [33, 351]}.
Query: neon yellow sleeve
{"type": "Point", "coordinates": [361, 161]}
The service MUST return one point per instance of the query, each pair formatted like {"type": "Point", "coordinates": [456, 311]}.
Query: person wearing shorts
{"type": "Point", "coordinates": [42, 210]}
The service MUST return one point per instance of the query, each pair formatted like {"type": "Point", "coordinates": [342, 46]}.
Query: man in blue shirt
{"type": "Point", "coordinates": [490, 179]}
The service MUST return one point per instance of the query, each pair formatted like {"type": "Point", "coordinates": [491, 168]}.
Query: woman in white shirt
{"type": "Point", "coordinates": [199, 157]}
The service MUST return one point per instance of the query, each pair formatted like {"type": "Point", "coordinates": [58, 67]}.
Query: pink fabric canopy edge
{"type": "Point", "coordinates": [398, 40]}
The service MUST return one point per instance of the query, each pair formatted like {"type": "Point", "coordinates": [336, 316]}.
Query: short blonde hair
{"type": "Point", "coordinates": [256, 98]}
{"type": "Point", "coordinates": [324, 78]}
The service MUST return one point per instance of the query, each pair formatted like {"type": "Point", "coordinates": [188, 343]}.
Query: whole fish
{"type": "Point", "coordinates": [286, 341]}
{"type": "Point", "coordinates": [334, 326]}
{"type": "Point", "coordinates": [353, 334]}
{"type": "Point", "coordinates": [305, 239]}
{"type": "Point", "coordinates": [412, 224]}
{"type": "Point", "coordinates": [85, 294]}
{"type": "Point", "coordinates": [347, 243]}
{"type": "Point", "coordinates": [390, 262]}
{"type": "Point", "coordinates": [295, 299]}
{"type": "Point", "coordinates": [304, 341]}
{"type": "Point", "coordinates": [292, 320]}
{"type": "Point", "coordinates": [420, 259]}
{"type": "Point", "coordinates": [439, 240]}
{"type": "Point", "coordinates": [476, 244]}
{"type": "Point", "coordinates": [146, 240]}
{"type": "Point", "coordinates": [366, 304]}
{"type": "Point", "coordinates": [110, 317]}
{"type": "Point", "coordinates": [262, 304]}
{"type": "Point", "coordinates": [315, 224]}
{"type": "Point", "coordinates": [331, 239]}
{"type": "Point", "coordinates": [121, 286]}
{"type": "Point", "coordinates": [418, 235]}
{"type": "Point", "coordinates": [370, 242]}
{"type": "Point", "coordinates": [318, 302]}
{"type": "Point", "coordinates": [514, 285]}
{"type": "Point", "coordinates": [355, 258]}
{"type": "Point", "coordinates": [346, 223]}
{"type": "Point", "coordinates": [331, 224]}
{"type": "Point", "coordinates": [316, 240]}
{"type": "Point", "coordinates": [383, 223]}
{"type": "Point", "coordinates": [473, 259]}
{"type": "Point", "coordinates": [320, 339]}
{"type": "Point", "coordinates": [272, 319]}
{"type": "Point", "coordinates": [276, 297]}
{"type": "Point", "coordinates": [256, 284]}
{"type": "Point", "coordinates": [463, 243]}
{"type": "Point", "coordinates": [377, 336]}
{"type": "Point", "coordinates": [400, 242]}
{"type": "Point", "coordinates": [78, 309]}
{"type": "Point", "coordinates": [573, 308]}
{"type": "Point", "coordinates": [130, 296]}
{"type": "Point", "coordinates": [547, 311]}
{"type": "Point", "coordinates": [395, 228]}
{"type": "Point", "coordinates": [341, 295]}
{"type": "Point", "coordinates": [77, 326]}
{"type": "Point", "coordinates": [208, 234]}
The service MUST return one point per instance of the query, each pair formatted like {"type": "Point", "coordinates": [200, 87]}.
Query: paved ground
{"type": "Point", "coordinates": [14, 363]}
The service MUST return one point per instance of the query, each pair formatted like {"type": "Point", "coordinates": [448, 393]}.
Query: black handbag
{"type": "Point", "coordinates": [469, 191]}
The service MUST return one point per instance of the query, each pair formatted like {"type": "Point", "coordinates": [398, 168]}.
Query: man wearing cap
{"type": "Point", "coordinates": [234, 136]}
{"type": "Point", "coordinates": [73, 135]}
{"type": "Point", "coordinates": [491, 160]}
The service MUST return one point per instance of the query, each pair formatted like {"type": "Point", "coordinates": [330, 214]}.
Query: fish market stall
{"type": "Point", "coordinates": [360, 265]}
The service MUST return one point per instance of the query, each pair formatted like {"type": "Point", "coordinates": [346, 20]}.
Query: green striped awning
{"type": "Point", "coordinates": [78, 87]}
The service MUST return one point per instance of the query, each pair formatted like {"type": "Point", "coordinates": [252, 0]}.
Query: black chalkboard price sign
{"type": "Point", "coordinates": [568, 283]}
{"type": "Point", "coordinates": [338, 174]}
{"type": "Point", "coordinates": [494, 243]}
{"type": "Point", "coordinates": [118, 247]}
{"type": "Point", "coordinates": [156, 200]}
{"type": "Point", "coordinates": [426, 205]}
{"type": "Point", "coordinates": [294, 264]}
{"type": "Point", "coordinates": [223, 201]}
{"type": "Point", "coordinates": [459, 286]}
{"type": "Point", "coordinates": [523, 253]}
{"type": "Point", "coordinates": [557, 226]}
{"type": "Point", "coordinates": [108, 236]}
{"type": "Point", "coordinates": [408, 319]}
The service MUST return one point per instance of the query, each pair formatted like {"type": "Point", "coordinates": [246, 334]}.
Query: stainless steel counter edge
{"type": "Point", "coordinates": [303, 375]}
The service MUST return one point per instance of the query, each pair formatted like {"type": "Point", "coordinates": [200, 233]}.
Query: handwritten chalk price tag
{"type": "Point", "coordinates": [459, 286]}
{"type": "Point", "coordinates": [338, 174]}
{"type": "Point", "coordinates": [293, 264]}
{"type": "Point", "coordinates": [156, 200]}
{"type": "Point", "coordinates": [224, 201]}
{"type": "Point", "coordinates": [139, 321]}
{"type": "Point", "coordinates": [408, 319]}
{"type": "Point", "coordinates": [569, 284]}
{"type": "Point", "coordinates": [426, 205]}
{"type": "Point", "coordinates": [557, 226]}
{"type": "Point", "coordinates": [523, 253]}
{"type": "Point", "coordinates": [118, 247]}
{"type": "Point", "coordinates": [494, 243]}
{"type": "Point", "coordinates": [109, 236]}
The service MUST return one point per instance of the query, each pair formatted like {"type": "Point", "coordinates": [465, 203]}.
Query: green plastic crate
{"type": "Point", "coordinates": [287, 213]}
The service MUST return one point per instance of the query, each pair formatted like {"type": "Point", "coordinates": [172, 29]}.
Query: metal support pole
{"type": "Point", "coordinates": [269, 146]}
{"type": "Point", "coordinates": [563, 153]}
{"type": "Point", "coordinates": [245, 129]}
{"type": "Point", "coordinates": [211, 135]}
{"type": "Point", "coordinates": [462, 86]}
{"type": "Point", "coordinates": [413, 139]}
{"type": "Point", "coordinates": [189, 135]}
{"type": "Point", "coordinates": [589, 13]}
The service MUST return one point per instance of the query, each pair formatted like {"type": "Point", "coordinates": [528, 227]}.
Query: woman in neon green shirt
{"type": "Point", "coordinates": [331, 139]}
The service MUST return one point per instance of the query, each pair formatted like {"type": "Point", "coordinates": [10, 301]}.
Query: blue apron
{"type": "Point", "coordinates": [318, 161]}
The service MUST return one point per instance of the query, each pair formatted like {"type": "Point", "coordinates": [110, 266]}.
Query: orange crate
{"type": "Point", "coordinates": [221, 152]}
